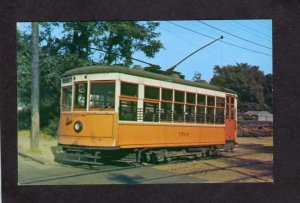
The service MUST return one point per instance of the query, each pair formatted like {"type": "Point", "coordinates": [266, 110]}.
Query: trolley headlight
{"type": "Point", "coordinates": [78, 126]}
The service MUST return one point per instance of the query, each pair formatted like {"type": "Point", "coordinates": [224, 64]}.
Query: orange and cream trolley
{"type": "Point", "coordinates": [118, 113]}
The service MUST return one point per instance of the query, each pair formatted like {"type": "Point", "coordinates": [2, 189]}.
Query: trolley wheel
{"type": "Point", "coordinates": [153, 158]}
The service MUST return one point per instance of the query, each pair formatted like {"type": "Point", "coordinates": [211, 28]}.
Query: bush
{"type": "Point", "coordinates": [52, 127]}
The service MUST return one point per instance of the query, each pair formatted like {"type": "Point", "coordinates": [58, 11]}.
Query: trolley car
{"type": "Point", "coordinates": [118, 113]}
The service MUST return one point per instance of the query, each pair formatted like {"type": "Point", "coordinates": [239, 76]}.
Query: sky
{"type": "Point", "coordinates": [245, 41]}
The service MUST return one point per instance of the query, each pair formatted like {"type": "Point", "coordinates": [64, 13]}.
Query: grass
{"type": "Point", "coordinates": [33, 151]}
{"type": "Point", "coordinates": [43, 135]}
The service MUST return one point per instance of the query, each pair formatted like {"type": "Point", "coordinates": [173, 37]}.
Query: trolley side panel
{"type": "Point", "coordinates": [98, 129]}
{"type": "Point", "coordinates": [145, 135]}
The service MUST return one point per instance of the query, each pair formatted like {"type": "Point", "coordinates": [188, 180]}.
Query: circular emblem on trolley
{"type": "Point", "coordinates": [78, 126]}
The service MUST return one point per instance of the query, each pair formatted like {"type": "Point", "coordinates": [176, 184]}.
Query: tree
{"type": "Point", "coordinates": [70, 49]}
{"type": "Point", "coordinates": [52, 66]}
{"type": "Point", "coordinates": [35, 112]}
{"type": "Point", "coordinates": [117, 40]}
{"type": "Point", "coordinates": [122, 39]}
{"type": "Point", "coordinates": [248, 81]}
{"type": "Point", "coordinates": [268, 92]}
{"type": "Point", "coordinates": [197, 77]}
{"type": "Point", "coordinates": [24, 79]}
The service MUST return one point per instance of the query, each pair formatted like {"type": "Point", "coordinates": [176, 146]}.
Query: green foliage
{"type": "Point", "coordinates": [70, 49]}
{"type": "Point", "coordinates": [118, 40]}
{"type": "Point", "coordinates": [197, 77]}
{"type": "Point", "coordinates": [24, 79]}
{"type": "Point", "coordinates": [128, 37]}
{"type": "Point", "coordinates": [253, 87]}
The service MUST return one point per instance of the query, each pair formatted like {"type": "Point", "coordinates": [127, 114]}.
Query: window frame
{"type": "Point", "coordinates": [128, 99]}
{"type": "Point", "coordinates": [203, 106]}
{"type": "Point", "coordinates": [152, 86]}
{"type": "Point", "coordinates": [169, 102]}
{"type": "Point", "coordinates": [174, 97]}
{"type": "Point", "coordinates": [127, 96]}
{"type": "Point", "coordinates": [136, 114]}
{"type": "Point", "coordinates": [183, 112]}
{"type": "Point", "coordinates": [194, 108]}
{"type": "Point", "coordinates": [162, 100]}
{"type": "Point", "coordinates": [214, 96]}
{"type": "Point", "coordinates": [217, 108]}
{"type": "Point", "coordinates": [186, 98]}
{"type": "Point", "coordinates": [174, 103]}
{"type": "Point", "coordinates": [90, 89]}
{"type": "Point", "coordinates": [152, 101]}
{"type": "Point", "coordinates": [61, 102]}
{"type": "Point", "coordinates": [75, 96]}
{"type": "Point", "coordinates": [230, 107]}
{"type": "Point", "coordinates": [220, 103]}
{"type": "Point", "coordinates": [194, 113]}
{"type": "Point", "coordinates": [157, 116]}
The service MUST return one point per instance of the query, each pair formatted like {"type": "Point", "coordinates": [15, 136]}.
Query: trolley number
{"type": "Point", "coordinates": [184, 133]}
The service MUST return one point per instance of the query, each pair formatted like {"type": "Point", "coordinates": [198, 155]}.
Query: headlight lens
{"type": "Point", "coordinates": [78, 126]}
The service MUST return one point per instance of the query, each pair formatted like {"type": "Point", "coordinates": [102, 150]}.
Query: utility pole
{"type": "Point", "coordinates": [35, 90]}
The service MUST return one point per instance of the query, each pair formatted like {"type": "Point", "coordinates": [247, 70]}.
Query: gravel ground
{"type": "Point", "coordinates": [251, 161]}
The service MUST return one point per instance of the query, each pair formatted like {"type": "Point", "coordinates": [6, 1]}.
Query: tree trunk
{"type": "Point", "coordinates": [35, 114]}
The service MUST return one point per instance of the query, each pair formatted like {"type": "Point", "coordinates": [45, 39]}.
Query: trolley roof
{"type": "Point", "coordinates": [142, 73]}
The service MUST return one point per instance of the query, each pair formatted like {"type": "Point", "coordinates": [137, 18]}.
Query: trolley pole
{"type": "Point", "coordinates": [35, 113]}
{"type": "Point", "coordinates": [169, 70]}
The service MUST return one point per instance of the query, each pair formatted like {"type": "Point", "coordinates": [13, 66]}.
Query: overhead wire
{"type": "Point", "coordinates": [257, 22]}
{"type": "Point", "coordinates": [193, 43]}
{"type": "Point", "coordinates": [135, 59]}
{"type": "Point", "coordinates": [228, 43]}
{"type": "Point", "coordinates": [233, 35]}
{"type": "Point", "coordinates": [268, 24]}
{"type": "Point", "coordinates": [251, 29]}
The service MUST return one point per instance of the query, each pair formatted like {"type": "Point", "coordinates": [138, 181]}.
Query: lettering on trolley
{"type": "Point", "coordinates": [78, 115]}
{"type": "Point", "coordinates": [184, 133]}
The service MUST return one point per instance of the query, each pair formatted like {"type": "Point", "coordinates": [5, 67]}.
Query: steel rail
{"type": "Point", "coordinates": [176, 161]}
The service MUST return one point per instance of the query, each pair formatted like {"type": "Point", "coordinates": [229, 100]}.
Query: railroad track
{"type": "Point", "coordinates": [216, 168]}
{"type": "Point", "coordinates": [88, 172]}
{"type": "Point", "coordinates": [111, 168]}
{"type": "Point", "coordinates": [95, 170]}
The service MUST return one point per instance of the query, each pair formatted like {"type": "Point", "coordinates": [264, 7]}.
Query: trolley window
{"type": "Point", "coordinates": [210, 100]}
{"type": "Point", "coordinates": [220, 116]}
{"type": "Point", "coordinates": [102, 95]}
{"type": "Point", "coordinates": [128, 110]}
{"type": "Point", "coordinates": [179, 96]}
{"type": "Point", "coordinates": [178, 112]}
{"type": "Point", "coordinates": [220, 102]}
{"type": "Point", "coordinates": [200, 116]}
{"type": "Point", "coordinates": [230, 111]}
{"type": "Point", "coordinates": [189, 113]}
{"type": "Point", "coordinates": [167, 95]}
{"type": "Point", "coordinates": [151, 112]}
{"type": "Point", "coordinates": [80, 95]}
{"type": "Point", "coordinates": [210, 115]}
{"type": "Point", "coordinates": [166, 111]}
{"type": "Point", "coordinates": [151, 92]}
{"type": "Point", "coordinates": [129, 89]}
{"type": "Point", "coordinates": [66, 98]}
{"type": "Point", "coordinates": [190, 98]}
{"type": "Point", "coordinates": [201, 99]}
